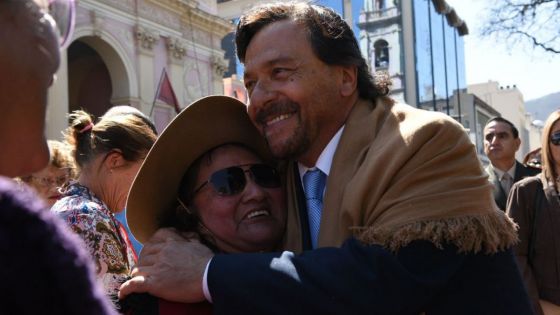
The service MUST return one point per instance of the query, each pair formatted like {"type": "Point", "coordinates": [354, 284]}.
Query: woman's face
{"type": "Point", "coordinates": [554, 149]}
{"type": "Point", "coordinates": [250, 221]}
{"type": "Point", "coordinates": [48, 181]}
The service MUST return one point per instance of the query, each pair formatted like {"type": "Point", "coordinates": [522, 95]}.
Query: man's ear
{"type": "Point", "coordinates": [349, 82]}
{"type": "Point", "coordinates": [114, 159]}
{"type": "Point", "coordinates": [517, 144]}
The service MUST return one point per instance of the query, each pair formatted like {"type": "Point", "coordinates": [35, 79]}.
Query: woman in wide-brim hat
{"type": "Point", "coordinates": [210, 172]}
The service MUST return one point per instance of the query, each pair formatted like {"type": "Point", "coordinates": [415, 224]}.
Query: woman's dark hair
{"type": "Point", "coordinates": [130, 132]}
{"type": "Point", "coordinates": [331, 38]}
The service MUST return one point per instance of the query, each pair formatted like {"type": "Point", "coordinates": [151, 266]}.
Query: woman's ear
{"type": "Point", "coordinates": [114, 160]}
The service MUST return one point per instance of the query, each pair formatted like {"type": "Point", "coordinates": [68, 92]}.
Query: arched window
{"type": "Point", "coordinates": [381, 54]}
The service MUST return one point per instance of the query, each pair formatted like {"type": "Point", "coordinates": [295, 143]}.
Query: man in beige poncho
{"type": "Point", "coordinates": [408, 224]}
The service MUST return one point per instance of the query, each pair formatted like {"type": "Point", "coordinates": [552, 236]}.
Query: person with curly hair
{"type": "Point", "coordinates": [49, 181]}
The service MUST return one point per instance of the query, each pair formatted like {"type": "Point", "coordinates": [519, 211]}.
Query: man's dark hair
{"type": "Point", "coordinates": [331, 38]}
{"type": "Point", "coordinates": [514, 130]}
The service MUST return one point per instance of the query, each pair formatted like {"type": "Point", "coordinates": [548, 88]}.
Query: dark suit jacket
{"type": "Point", "coordinates": [358, 279]}
{"type": "Point", "coordinates": [500, 196]}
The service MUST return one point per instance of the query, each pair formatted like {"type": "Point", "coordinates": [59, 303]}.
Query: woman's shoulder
{"type": "Point", "coordinates": [530, 182]}
{"type": "Point", "coordinates": [79, 210]}
{"type": "Point", "coordinates": [79, 201]}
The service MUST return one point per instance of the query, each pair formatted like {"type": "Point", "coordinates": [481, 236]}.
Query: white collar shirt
{"type": "Point", "coordinates": [324, 161]}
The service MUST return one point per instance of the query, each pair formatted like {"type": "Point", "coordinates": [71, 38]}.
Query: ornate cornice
{"type": "Point", "coordinates": [208, 21]}
{"type": "Point", "coordinates": [146, 37]}
{"type": "Point", "coordinates": [219, 65]}
{"type": "Point", "coordinates": [176, 47]}
{"type": "Point", "coordinates": [193, 16]}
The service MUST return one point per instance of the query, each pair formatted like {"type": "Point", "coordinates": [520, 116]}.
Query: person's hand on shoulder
{"type": "Point", "coordinates": [171, 267]}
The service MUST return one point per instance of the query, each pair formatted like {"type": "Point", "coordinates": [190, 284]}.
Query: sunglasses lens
{"type": "Point", "coordinates": [555, 138]}
{"type": "Point", "coordinates": [229, 181]}
{"type": "Point", "coordinates": [63, 13]}
{"type": "Point", "coordinates": [266, 176]}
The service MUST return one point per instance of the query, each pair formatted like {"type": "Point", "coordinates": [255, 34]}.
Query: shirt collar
{"type": "Point", "coordinates": [501, 173]}
{"type": "Point", "coordinates": [324, 161]}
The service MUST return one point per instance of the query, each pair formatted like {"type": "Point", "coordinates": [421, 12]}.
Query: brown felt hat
{"type": "Point", "coordinates": [207, 123]}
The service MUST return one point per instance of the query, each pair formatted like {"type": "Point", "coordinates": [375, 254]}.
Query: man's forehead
{"type": "Point", "coordinates": [497, 127]}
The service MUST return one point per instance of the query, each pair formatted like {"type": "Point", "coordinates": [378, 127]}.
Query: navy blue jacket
{"type": "Point", "coordinates": [358, 279]}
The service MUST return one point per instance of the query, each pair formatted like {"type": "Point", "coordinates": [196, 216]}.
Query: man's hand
{"type": "Point", "coordinates": [170, 267]}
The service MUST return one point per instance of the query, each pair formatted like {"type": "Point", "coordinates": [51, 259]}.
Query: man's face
{"type": "Point", "coordinates": [295, 98]}
{"type": "Point", "coordinates": [29, 57]}
{"type": "Point", "coordinates": [499, 143]}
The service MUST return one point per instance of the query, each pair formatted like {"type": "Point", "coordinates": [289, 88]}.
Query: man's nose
{"type": "Point", "coordinates": [262, 92]}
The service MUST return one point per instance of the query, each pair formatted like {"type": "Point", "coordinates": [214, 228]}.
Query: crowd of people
{"type": "Point", "coordinates": [323, 195]}
{"type": "Point", "coordinates": [528, 193]}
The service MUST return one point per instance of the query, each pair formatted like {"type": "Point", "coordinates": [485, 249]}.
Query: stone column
{"type": "Point", "coordinates": [145, 41]}
{"type": "Point", "coordinates": [58, 102]}
{"type": "Point", "coordinates": [177, 50]}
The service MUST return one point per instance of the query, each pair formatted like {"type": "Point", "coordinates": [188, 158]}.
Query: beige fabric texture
{"type": "Point", "coordinates": [402, 174]}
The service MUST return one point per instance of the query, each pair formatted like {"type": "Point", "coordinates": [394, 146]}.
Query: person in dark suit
{"type": "Point", "coordinates": [501, 141]}
{"type": "Point", "coordinates": [389, 211]}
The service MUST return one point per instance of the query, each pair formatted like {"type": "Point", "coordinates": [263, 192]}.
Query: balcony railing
{"type": "Point", "coordinates": [374, 16]}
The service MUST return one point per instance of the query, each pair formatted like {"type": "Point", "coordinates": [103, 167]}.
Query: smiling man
{"type": "Point", "coordinates": [389, 211]}
{"type": "Point", "coordinates": [501, 141]}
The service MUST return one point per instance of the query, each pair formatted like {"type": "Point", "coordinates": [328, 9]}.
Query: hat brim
{"type": "Point", "coordinates": [205, 124]}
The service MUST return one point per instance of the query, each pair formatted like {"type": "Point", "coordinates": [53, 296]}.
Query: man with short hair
{"type": "Point", "coordinates": [501, 141]}
{"type": "Point", "coordinates": [389, 211]}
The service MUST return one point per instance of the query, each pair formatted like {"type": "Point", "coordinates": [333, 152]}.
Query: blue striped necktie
{"type": "Point", "coordinates": [314, 185]}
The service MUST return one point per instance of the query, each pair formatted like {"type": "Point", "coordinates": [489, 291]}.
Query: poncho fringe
{"type": "Point", "coordinates": [490, 232]}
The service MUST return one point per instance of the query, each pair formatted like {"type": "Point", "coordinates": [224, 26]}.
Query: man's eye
{"type": "Point", "coordinates": [249, 85]}
{"type": "Point", "coordinates": [278, 71]}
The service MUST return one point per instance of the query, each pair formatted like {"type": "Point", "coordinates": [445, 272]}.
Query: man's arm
{"type": "Point", "coordinates": [358, 279]}
{"type": "Point", "coordinates": [353, 279]}
{"type": "Point", "coordinates": [171, 266]}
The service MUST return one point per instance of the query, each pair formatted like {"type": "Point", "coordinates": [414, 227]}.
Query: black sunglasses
{"type": "Point", "coordinates": [555, 138]}
{"type": "Point", "coordinates": [231, 181]}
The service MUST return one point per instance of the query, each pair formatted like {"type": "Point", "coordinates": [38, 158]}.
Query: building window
{"type": "Point", "coordinates": [381, 54]}
{"type": "Point", "coordinates": [379, 5]}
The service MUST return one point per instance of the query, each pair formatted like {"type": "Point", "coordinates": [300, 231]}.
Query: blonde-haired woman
{"type": "Point", "coordinates": [49, 181]}
{"type": "Point", "coordinates": [533, 203]}
{"type": "Point", "coordinates": [108, 155]}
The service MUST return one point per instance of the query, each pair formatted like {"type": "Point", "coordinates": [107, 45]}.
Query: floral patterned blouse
{"type": "Point", "coordinates": [104, 236]}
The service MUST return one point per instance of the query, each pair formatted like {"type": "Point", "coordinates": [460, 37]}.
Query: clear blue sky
{"type": "Point", "coordinates": [535, 73]}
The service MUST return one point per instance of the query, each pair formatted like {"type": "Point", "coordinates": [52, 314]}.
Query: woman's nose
{"type": "Point", "coordinates": [253, 191]}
